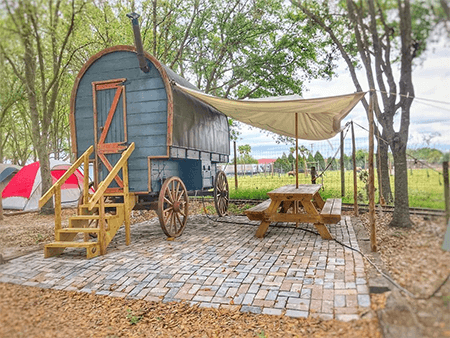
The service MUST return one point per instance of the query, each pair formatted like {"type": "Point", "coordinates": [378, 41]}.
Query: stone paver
{"type": "Point", "coordinates": [214, 264]}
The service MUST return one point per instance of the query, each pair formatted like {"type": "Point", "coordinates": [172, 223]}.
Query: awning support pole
{"type": "Point", "coordinates": [373, 235]}
{"type": "Point", "coordinates": [296, 150]}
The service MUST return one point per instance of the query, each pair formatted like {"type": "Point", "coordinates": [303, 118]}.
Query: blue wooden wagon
{"type": "Point", "coordinates": [151, 145]}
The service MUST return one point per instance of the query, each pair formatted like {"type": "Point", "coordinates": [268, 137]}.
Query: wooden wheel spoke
{"type": "Point", "coordinates": [179, 220]}
{"type": "Point", "coordinates": [181, 195]}
{"type": "Point", "coordinates": [169, 194]}
{"type": "Point", "coordinates": [167, 201]}
{"type": "Point", "coordinates": [169, 213]}
{"type": "Point", "coordinates": [177, 197]}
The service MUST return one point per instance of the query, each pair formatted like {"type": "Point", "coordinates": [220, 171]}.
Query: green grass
{"type": "Point", "coordinates": [425, 187]}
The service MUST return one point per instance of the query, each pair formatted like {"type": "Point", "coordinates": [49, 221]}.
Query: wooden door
{"type": "Point", "coordinates": [110, 128]}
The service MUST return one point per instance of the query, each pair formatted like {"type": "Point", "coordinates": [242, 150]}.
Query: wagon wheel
{"type": "Point", "coordinates": [221, 193]}
{"type": "Point", "coordinates": [173, 207]}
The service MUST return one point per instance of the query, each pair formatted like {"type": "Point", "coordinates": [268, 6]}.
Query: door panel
{"type": "Point", "coordinates": [110, 127]}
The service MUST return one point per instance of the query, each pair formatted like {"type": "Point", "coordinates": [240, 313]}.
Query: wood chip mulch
{"type": "Point", "coordinates": [33, 312]}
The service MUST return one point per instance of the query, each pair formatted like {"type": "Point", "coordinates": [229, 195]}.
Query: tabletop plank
{"type": "Point", "coordinates": [303, 189]}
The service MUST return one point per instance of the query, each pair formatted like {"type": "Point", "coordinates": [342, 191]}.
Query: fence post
{"type": "Point", "coordinates": [235, 167]}
{"type": "Point", "coordinates": [373, 236]}
{"type": "Point", "coordinates": [342, 165]}
{"type": "Point", "coordinates": [446, 191]}
{"type": "Point", "coordinates": [355, 178]}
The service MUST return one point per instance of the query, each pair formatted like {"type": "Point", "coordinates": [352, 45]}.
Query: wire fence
{"type": "Point", "coordinates": [277, 168]}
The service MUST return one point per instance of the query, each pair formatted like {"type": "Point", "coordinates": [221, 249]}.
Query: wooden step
{"type": "Point", "coordinates": [107, 205]}
{"type": "Point", "coordinates": [90, 217]}
{"type": "Point", "coordinates": [62, 244]}
{"type": "Point", "coordinates": [77, 230]}
{"type": "Point", "coordinates": [57, 248]}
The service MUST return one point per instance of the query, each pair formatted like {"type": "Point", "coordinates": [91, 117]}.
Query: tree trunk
{"type": "Point", "coordinates": [46, 178]}
{"type": "Point", "coordinates": [401, 211]}
{"type": "Point", "coordinates": [383, 171]}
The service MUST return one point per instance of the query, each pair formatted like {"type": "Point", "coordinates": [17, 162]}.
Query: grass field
{"type": "Point", "coordinates": [425, 187]}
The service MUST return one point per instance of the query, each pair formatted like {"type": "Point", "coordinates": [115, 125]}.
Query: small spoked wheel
{"type": "Point", "coordinates": [173, 206]}
{"type": "Point", "coordinates": [221, 193]}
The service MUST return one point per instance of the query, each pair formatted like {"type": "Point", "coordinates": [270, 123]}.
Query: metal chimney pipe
{"type": "Point", "coordinates": [138, 42]}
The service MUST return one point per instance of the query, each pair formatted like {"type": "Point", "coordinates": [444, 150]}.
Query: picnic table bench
{"type": "Point", "coordinates": [306, 206]}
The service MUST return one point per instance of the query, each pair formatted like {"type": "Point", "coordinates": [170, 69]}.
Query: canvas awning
{"type": "Point", "coordinates": [318, 119]}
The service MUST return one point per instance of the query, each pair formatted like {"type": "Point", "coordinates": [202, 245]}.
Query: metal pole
{"type": "Point", "coordinates": [373, 235]}
{"type": "Point", "coordinates": [342, 165]}
{"type": "Point", "coordinates": [355, 178]}
{"type": "Point", "coordinates": [446, 190]}
{"type": "Point", "coordinates": [235, 167]}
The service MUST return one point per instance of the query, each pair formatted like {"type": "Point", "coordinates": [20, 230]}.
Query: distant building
{"type": "Point", "coordinates": [266, 161]}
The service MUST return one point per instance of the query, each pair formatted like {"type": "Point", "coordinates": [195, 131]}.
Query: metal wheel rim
{"type": "Point", "coordinates": [221, 193]}
{"type": "Point", "coordinates": [173, 207]}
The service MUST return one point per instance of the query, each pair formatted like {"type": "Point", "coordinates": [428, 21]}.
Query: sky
{"type": "Point", "coordinates": [431, 81]}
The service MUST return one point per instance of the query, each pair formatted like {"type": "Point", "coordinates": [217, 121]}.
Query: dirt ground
{"type": "Point", "coordinates": [415, 260]}
{"type": "Point", "coordinates": [412, 257]}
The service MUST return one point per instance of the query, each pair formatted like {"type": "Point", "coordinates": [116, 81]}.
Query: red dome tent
{"type": "Point", "coordinates": [25, 189]}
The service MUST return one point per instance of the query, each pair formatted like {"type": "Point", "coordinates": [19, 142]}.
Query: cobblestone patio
{"type": "Point", "coordinates": [215, 264]}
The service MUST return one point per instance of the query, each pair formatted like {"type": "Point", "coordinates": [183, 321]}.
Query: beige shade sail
{"type": "Point", "coordinates": [318, 119]}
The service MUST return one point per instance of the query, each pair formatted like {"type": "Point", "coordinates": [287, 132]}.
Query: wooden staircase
{"type": "Point", "coordinates": [95, 216]}
{"type": "Point", "coordinates": [90, 222]}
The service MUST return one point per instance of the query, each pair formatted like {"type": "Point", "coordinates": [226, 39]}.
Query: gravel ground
{"type": "Point", "coordinates": [412, 256]}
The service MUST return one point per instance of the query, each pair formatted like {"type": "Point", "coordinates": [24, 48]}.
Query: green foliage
{"type": "Point", "coordinates": [429, 155]}
{"type": "Point", "coordinates": [245, 157]}
{"type": "Point", "coordinates": [425, 191]}
{"type": "Point", "coordinates": [133, 319]}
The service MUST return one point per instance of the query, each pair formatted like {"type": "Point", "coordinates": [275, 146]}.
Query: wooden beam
{"type": "Point", "coordinates": [355, 178]}
{"type": "Point", "coordinates": [235, 167]}
{"type": "Point", "coordinates": [342, 166]}
{"type": "Point", "coordinates": [373, 236]}
{"type": "Point", "coordinates": [446, 190]}
{"type": "Point", "coordinates": [296, 151]}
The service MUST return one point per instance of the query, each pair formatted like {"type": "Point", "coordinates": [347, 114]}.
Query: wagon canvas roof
{"type": "Point", "coordinates": [318, 118]}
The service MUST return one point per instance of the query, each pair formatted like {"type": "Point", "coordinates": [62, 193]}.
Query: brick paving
{"type": "Point", "coordinates": [221, 265]}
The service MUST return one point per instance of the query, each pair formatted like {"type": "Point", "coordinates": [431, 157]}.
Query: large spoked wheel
{"type": "Point", "coordinates": [173, 206]}
{"type": "Point", "coordinates": [221, 193]}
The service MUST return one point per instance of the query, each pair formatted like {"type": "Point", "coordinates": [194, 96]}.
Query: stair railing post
{"type": "Point", "coordinates": [86, 179]}
{"type": "Point", "coordinates": [102, 226]}
{"type": "Point", "coordinates": [126, 198]}
{"type": "Point", "coordinates": [57, 212]}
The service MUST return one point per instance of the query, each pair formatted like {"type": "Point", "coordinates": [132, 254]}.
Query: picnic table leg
{"type": "Point", "coordinates": [318, 200]}
{"type": "Point", "coordinates": [311, 209]}
{"type": "Point", "coordinates": [266, 222]}
{"type": "Point", "coordinates": [323, 231]}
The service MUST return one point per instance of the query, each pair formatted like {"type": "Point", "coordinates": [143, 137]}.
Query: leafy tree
{"type": "Point", "coordinates": [36, 43]}
{"type": "Point", "coordinates": [319, 160]}
{"type": "Point", "coordinates": [282, 163]}
{"type": "Point", "coordinates": [379, 35]}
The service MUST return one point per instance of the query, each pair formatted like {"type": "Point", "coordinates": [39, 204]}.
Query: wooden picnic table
{"type": "Point", "coordinates": [306, 205]}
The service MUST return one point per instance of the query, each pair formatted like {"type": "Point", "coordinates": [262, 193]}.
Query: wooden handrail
{"type": "Point", "coordinates": [67, 174]}
{"type": "Point", "coordinates": [107, 181]}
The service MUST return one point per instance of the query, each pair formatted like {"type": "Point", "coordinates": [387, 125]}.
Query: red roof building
{"type": "Point", "coordinates": [266, 161]}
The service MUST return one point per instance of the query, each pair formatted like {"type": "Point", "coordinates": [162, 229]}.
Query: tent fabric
{"type": "Point", "coordinates": [318, 119]}
{"type": "Point", "coordinates": [7, 172]}
{"type": "Point", "coordinates": [25, 189]}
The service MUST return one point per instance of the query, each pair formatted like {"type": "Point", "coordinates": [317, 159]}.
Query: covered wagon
{"type": "Point", "coordinates": [150, 144]}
